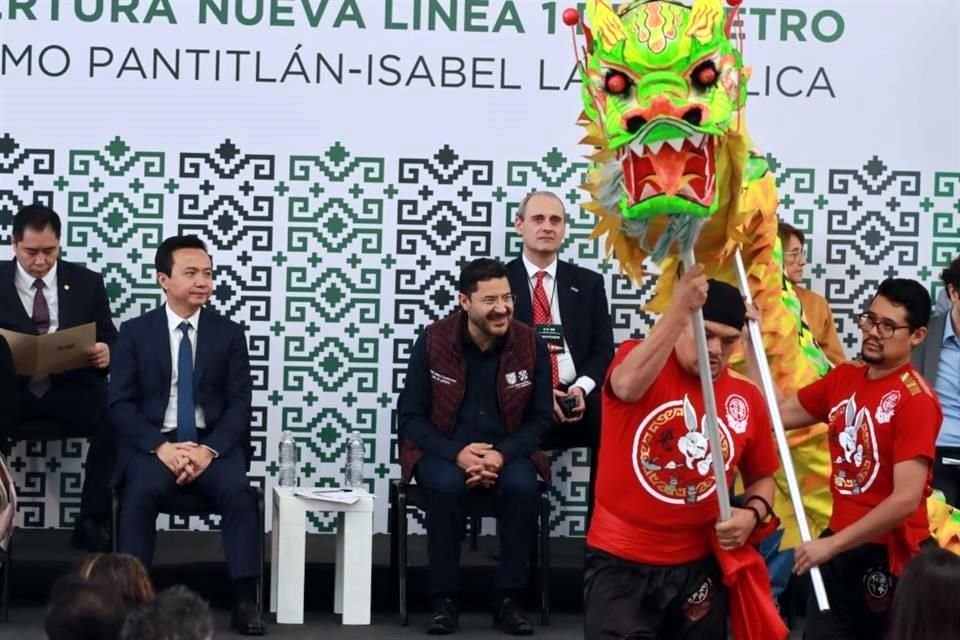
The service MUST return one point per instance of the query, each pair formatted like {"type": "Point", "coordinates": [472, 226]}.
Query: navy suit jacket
{"type": "Point", "coordinates": [584, 313]}
{"type": "Point", "coordinates": [82, 298]}
{"type": "Point", "coordinates": [142, 370]}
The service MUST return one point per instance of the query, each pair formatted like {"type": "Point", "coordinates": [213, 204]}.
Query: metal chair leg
{"type": "Point", "coordinates": [544, 560]}
{"type": "Point", "coordinates": [401, 525]}
{"type": "Point", "coordinates": [114, 521]}
{"type": "Point", "coordinates": [261, 552]}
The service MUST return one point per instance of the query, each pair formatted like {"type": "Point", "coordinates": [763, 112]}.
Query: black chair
{"type": "Point", "coordinates": [404, 497]}
{"type": "Point", "coordinates": [186, 503]}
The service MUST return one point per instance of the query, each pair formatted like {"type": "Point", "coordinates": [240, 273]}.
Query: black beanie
{"type": "Point", "coordinates": [724, 305]}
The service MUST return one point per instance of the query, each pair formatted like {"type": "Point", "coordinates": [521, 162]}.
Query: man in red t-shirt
{"type": "Point", "coordinates": [883, 421]}
{"type": "Point", "coordinates": [651, 571]}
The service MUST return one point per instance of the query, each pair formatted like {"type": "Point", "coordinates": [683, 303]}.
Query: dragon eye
{"type": "Point", "coordinates": [616, 83]}
{"type": "Point", "coordinates": [705, 75]}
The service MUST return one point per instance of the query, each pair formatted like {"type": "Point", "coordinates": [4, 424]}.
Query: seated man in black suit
{"type": "Point", "coordinates": [180, 398]}
{"type": "Point", "coordinates": [568, 306]}
{"type": "Point", "coordinates": [41, 294]}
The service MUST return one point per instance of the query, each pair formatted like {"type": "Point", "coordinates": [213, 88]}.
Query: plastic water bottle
{"type": "Point", "coordinates": [288, 460]}
{"type": "Point", "coordinates": [353, 471]}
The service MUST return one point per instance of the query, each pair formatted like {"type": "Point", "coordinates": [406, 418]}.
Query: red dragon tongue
{"type": "Point", "coordinates": [668, 165]}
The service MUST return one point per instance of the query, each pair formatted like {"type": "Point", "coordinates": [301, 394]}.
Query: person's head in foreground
{"type": "Point", "coordinates": [724, 313]}
{"type": "Point", "coordinates": [119, 571]}
{"type": "Point", "coordinates": [83, 610]}
{"type": "Point", "coordinates": [926, 605]}
{"type": "Point", "coordinates": [174, 614]}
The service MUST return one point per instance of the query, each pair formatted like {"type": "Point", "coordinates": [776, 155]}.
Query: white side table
{"type": "Point", "coordinates": [354, 556]}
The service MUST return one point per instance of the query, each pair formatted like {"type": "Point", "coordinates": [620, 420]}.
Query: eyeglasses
{"type": "Point", "coordinates": [796, 254]}
{"type": "Point", "coordinates": [885, 328]}
{"type": "Point", "coordinates": [507, 300]}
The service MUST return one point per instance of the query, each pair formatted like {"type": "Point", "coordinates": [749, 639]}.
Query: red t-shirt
{"type": "Point", "coordinates": [655, 490]}
{"type": "Point", "coordinates": [873, 425]}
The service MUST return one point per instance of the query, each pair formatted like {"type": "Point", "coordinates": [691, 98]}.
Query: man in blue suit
{"type": "Point", "coordinates": [180, 399]}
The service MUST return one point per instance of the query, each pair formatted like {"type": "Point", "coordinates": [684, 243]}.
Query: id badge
{"type": "Point", "coordinates": [552, 334]}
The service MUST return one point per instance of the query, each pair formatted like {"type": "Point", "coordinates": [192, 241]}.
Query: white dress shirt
{"type": "Point", "coordinates": [565, 366]}
{"type": "Point", "coordinates": [173, 324]}
{"type": "Point", "coordinates": [25, 289]}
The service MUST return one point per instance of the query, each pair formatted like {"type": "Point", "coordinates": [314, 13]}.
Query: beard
{"type": "Point", "coordinates": [873, 356]}
{"type": "Point", "coordinates": [486, 323]}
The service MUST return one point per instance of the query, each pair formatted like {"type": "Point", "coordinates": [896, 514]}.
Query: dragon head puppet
{"type": "Point", "coordinates": [663, 90]}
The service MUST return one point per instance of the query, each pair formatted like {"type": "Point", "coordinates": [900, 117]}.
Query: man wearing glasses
{"type": "Point", "coordinates": [475, 407]}
{"type": "Point", "coordinates": [883, 420]}
{"type": "Point", "coordinates": [816, 310]}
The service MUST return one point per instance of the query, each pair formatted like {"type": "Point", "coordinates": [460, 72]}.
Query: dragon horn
{"type": "Point", "coordinates": [605, 22]}
{"type": "Point", "coordinates": [704, 16]}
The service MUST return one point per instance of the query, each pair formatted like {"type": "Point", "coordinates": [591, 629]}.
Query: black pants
{"type": "Point", "coordinates": [585, 432]}
{"type": "Point", "coordinates": [947, 477]}
{"type": "Point", "coordinates": [146, 482]}
{"type": "Point", "coordinates": [517, 495]}
{"type": "Point", "coordinates": [860, 590]}
{"type": "Point", "coordinates": [631, 601]}
{"type": "Point", "coordinates": [80, 411]}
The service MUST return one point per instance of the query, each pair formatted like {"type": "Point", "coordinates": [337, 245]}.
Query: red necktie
{"type": "Point", "coordinates": [542, 315]}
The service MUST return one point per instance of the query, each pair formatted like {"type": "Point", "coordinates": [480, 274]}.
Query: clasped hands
{"type": "Point", "coordinates": [186, 460]}
{"type": "Point", "coordinates": [481, 463]}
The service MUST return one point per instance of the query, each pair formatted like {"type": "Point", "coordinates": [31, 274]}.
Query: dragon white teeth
{"type": "Point", "coordinates": [676, 143]}
{"type": "Point", "coordinates": [648, 192]}
{"type": "Point", "coordinates": [697, 139]}
{"type": "Point", "coordinates": [687, 192]}
{"type": "Point", "coordinates": [654, 147]}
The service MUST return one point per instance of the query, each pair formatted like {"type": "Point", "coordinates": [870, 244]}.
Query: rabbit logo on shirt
{"type": "Point", "coordinates": [857, 462]}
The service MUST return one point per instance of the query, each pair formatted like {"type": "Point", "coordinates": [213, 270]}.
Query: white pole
{"type": "Point", "coordinates": [786, 458]}
{"type": "Point", "coordinates": [709, 403]}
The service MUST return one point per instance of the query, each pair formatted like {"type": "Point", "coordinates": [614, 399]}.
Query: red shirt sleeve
{"type": "Point", "coordinates": [622, 352]}
{"type": "Point", "coordinates": [759, 458]}
{"type": "Point", "coordinates": [815, 397]}
{"type": "Point", "coordinates": [915, 427]}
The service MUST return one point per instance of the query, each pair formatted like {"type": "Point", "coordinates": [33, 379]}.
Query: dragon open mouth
{"type": "Point", "coordinates": [682, 167]}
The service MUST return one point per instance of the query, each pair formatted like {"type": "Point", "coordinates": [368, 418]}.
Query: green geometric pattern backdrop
{"type": "Point", "coordinates": [335, 258]}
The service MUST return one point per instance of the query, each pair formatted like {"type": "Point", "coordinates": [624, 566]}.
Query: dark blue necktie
{"type": "Point", "coordinates": [186, 410]}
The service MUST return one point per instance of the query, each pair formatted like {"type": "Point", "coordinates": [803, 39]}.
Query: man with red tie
{"type": "Point", "coordinates": [568, 306]}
